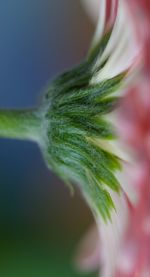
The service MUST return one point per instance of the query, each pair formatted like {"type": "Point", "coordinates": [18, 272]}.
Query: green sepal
{"type": "Point", "coordinates": [75, 115]}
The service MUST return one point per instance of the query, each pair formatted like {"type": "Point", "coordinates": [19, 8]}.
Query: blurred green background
{"type": "Point", "coordinates": [40, 223]}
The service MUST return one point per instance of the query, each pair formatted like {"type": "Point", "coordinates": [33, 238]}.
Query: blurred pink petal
{"type": "Point", "coordinates": [125, 242]}
{"type": "Point", "coordinates": [88, 255]}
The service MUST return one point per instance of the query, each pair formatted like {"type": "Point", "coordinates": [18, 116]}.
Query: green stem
{"type": "Point", "coordinates": [19, 124]}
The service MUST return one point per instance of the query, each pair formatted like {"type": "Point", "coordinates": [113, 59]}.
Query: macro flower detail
{"type": "Point", "coordinates": [88, 120]}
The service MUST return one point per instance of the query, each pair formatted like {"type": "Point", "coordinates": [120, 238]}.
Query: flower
{"type": "Point", "coordinates": [80, 138]}
{"type": "Point", "coordinates": [77, 136]}
{"type": "Point", "coordinates": [75, 125]}
{"type": "Point", "coordinates": [93, 129]}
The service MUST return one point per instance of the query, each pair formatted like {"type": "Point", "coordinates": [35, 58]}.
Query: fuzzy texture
{"type": "Point", "coordinates": [75, 117]}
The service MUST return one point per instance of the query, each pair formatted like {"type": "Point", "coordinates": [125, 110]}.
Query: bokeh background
{"type": "Point", "coordinates": [40, 223]}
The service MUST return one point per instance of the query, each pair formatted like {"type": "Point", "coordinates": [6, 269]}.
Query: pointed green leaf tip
{"type": "Point", "coordinates": [74, 116]}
